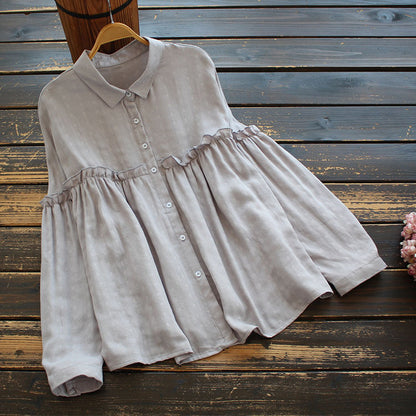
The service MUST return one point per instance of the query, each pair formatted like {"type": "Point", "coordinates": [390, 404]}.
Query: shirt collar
{"type": "Point", "coordinates": [87, 70]}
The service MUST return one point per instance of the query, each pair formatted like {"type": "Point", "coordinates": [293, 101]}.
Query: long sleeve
{"type": "Point", "coordinates": [331, 234]}
{"type": "Point", "coordinates": [71, 340]}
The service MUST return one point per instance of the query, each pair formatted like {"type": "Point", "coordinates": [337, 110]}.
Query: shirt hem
{"type": "Point", "coordinates": [138, 358]}
{"type": "Point", "coordinates": [348, 282]}
{"type": "Point", "coordinates": [227, 343]}
{"type": "Point", "coordinates": [268, 333]}
{"type": "Point", "coordinates": [188, 355]}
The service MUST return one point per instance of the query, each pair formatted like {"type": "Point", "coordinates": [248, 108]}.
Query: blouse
{"type": "Point", "coordinates": [170, 229]}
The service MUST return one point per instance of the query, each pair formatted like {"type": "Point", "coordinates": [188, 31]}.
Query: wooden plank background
{"type": "Point", "coordinates": [334, 83]}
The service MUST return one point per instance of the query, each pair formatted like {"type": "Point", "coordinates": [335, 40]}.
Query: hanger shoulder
{"type": "Point", "coordinates": [112, 32]}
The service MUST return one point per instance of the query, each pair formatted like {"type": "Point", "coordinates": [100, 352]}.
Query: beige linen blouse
{"type": "Point", "coordinates": [170, 229]}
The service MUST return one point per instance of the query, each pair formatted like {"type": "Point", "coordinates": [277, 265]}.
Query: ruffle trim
{"type": "Point", "coordinates": [88, 172]}
{"type": "Point", "coordinates": [207, 140]}
{"type": "Point", "coordinates": [167, 163]}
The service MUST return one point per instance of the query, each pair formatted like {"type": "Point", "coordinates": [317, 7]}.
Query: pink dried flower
{"type": "Point", "coordinates": [408, 230]}
{"type": "Point", "coordinates": [411, 269]}
{"type": "Point", "coordinates": [410, 218]}
{"type": "Point", "coordinates": [408, 250]}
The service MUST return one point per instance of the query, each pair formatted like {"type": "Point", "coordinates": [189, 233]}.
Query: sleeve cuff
{"type": "Point", "coordinates": [359, 275]}
{"type": "Point", "coordinates": [76, 380]}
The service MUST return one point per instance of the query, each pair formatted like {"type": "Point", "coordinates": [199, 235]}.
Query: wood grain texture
{"type": "Point", "coordinates": [334, 345]}
{"type": "Point", "coordinates": [261, 88]}
{"type": "Point", "coordinates": [19, 6]}
{"type": "Point", "coordinates": [238, 21]}
{"type": "Point", "coordinates": [256, 54]}
{"type": "Point", "coordinates": [367, 124]}
{"type": "Point", "coordinates": [221, 393]}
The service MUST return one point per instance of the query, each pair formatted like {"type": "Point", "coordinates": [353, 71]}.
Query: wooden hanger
{"type": "Point", "coordinates": [114, 31]}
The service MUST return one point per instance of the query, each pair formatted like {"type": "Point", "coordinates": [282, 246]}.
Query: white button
{"type": "Point", "coordinates": [153, 169]}
{"type": "Point", "coordinates": [145, 145]}
{"type": "Point", "coordinates": [198, 273]}
{"type": "Point", "coordinates": [136, 121]}
{"type": "Point", "coordinates": [169, 204]}
{"type": "Point", "coordinates": [182, 237]}
{"type": "Point", "coordinates": [128, 93]}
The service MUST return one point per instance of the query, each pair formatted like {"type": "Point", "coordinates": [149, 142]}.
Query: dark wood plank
{"type": "Point", "coordinates": [370, 202]}
{"type": "Point", "coordinates": [19, 162]}
{"type": "Point", "coordinates": [18, 6]}
{"type": "Point", "coordinates": [20, 127]}
{"type": "Point", "coordinates": [380, 296]}
{"type": "Point", "coordinates": [33, 57]}
{"type": "Point", "coordinates": [20, 251]}
{"type": "Point", "coordinates": [241, 22]}
{"type": "Point", "coordinates": [327, 124]}
{"type": "Point", "coordinates": [284, 393]}
{"type": "Point", "coordinates": [319, 88]}
{"type": "Point", "coordinates": [283, 124]}
{"type": "Point", "coordinates": [357, 162]}
{"type": "Point", "coordinates": [313, 345]}
{"type": "Point", "coordinates": [20, 295]}
{"type": "Point", "coordinates": [287, 88]}
{"type": "Point", "coordinates": [258, 54]}
{"type": "Point", "coordinates": [390, 293]}
{"type": "Point", "coordinates": [328, 162]}
{"type": "Point", "coordinates": [18, 202]}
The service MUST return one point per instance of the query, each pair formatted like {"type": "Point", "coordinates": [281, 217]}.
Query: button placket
{"type": "Point", "coordinates": [151, 161]}
{"type": "Point", "coordinates": [186, 248]}
{"type": "Point", "coordinates": [136, 120]}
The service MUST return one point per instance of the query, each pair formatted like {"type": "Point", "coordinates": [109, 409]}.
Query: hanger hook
{"type": "Point", "coordinates": [111, 14]}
